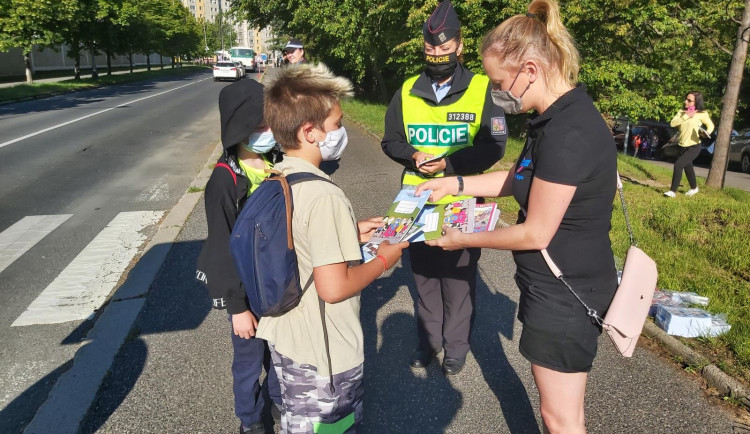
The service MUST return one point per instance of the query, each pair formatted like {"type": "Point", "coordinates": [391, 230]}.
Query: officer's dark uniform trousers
{"type": "Point", "coordinates": [446, 283]}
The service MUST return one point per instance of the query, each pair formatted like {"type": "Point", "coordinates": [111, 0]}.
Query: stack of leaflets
{"type": "Point", "coordinates": [399, 220]}
{"type": "Point", "coordinates": [411, 219]}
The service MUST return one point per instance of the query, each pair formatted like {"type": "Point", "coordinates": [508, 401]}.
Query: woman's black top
{"type": "Point", "coordinates": [571, 144]}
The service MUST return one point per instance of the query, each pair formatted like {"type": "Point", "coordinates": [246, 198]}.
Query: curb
{"type": "Point", "coordinates": [713, 375]}
{"type": "Point", "coordinates": [72, 395]}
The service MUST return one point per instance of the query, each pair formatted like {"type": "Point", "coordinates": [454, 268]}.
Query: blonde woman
{"type": "Point", "coordinates": [691, 120]}
{"type": "Point", "coordinates": [564, 181]}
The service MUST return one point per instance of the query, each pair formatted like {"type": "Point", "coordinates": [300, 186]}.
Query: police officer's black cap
{"type": "Point", "coordinates": [240, 111]}
{"type": "Point", "coordinates": [442, 25]}
{"type": "Point", "coordinates": [293, 44]}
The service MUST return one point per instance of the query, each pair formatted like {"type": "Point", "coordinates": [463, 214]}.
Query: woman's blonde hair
{"type": "Point", "coordinates": [538, 34]}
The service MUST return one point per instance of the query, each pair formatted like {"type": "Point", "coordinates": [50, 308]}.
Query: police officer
{"type": "Point", "coordinates": [295, 52]}
{"type": "Point", "coordinates": [446, 108]}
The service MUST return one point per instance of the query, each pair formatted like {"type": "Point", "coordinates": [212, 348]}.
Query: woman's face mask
{"type": "Point", "coordinates": [505, 99]}
{"type": "Point", "coordinates": [261, 142]}
{"type": "Point", "coordinates": [440, 67]}
{"type": "Point", "coordinates": [333, 145]}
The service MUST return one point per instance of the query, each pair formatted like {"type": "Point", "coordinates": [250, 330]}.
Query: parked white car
{"type": "Point", "coordinates": [226, 71]}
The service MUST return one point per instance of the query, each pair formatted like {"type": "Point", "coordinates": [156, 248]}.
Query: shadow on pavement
{"type": "Point", "coordinates": [400, 400]}
{"type": "Point", "coordinates": [19, 412]}
{"type": "Point", "coordinates": [495, 316]}
{"type": "Point", "coordinates": [175, 302]}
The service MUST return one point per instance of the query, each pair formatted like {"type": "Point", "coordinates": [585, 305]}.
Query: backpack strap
{"type": "Point", "coordinates": [226, 166]}
{"type": "Point", "coordinates": [325, 338]}
{"type": "Point", "coordinates": [292, 179]}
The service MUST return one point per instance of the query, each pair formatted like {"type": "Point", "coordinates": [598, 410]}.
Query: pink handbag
{"type": "Point", "coordinates": [627, 312]}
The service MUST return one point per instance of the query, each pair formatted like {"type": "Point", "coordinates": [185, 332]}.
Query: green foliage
{"type": "Point", "coordinates": [639, 57]}
{"type": "Point", "coordinates": [24, 23]}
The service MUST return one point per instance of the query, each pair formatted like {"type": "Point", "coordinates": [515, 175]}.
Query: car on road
{"type": "Point", "coordinates": [655, 138]}
{"type": "Point", "coordinates": [739, 150]}
{"type": "Point", "coordinates": [226, 71]}
{"type": "Point", "coordinates": [241, 68]}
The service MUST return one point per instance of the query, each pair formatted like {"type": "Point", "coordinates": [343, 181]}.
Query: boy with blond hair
{"type": "Point", "coordinates": [320, 392]}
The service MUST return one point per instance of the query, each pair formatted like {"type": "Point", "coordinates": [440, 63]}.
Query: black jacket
{"type": "Point", "coordinates": [224, 198]}
{"type": "Point", "coordinates": [487, 149]}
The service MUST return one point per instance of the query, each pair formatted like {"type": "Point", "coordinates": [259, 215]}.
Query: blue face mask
{"type": "Point", "coordinates": [260, 143]}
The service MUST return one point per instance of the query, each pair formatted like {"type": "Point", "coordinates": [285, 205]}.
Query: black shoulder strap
{"type": "Point", "coordinates": [325, 338]}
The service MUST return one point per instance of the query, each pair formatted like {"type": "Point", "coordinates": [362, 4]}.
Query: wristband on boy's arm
{"type": "Point", "coordinates": [460, 185]}
{"type": "Point", "coordinates": [385, 263]}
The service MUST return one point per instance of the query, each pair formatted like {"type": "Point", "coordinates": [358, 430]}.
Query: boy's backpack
{"type": "Point", "coordinates": [263, 249]}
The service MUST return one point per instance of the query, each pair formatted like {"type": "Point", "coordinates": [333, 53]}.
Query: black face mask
{"type": "Point", "coordinates": [440, 67]}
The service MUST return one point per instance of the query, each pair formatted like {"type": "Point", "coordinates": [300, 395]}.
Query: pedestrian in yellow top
{"type": "Point", "coordinates": [690, 120]}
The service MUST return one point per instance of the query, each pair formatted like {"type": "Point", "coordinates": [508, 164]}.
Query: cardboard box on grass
{"type": "Point", "coordinates": [683, 321]}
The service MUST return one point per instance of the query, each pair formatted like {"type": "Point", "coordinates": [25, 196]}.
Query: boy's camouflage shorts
{"type": "Point", "coordinates": [308, 405]}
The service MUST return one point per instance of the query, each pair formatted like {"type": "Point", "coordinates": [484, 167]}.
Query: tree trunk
{"type": "Point", "coordinates": [381, 81]}
{"type": "Point", "coordinates": [729, 103]}
{"type": "Point", "coordinates": [27, 63]}
{"type": "Point", "coordinates": [161, 61]}
{"type": "Point", "coordinates": [130, 59]}
{"type": "Point", "coordinates": [77, 65]}
{"type": "Point", "coordinates": [109, 63]}
{"type": "Point", "coordinates": [148, 61]}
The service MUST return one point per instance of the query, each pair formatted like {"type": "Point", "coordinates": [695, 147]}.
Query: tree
{"type": "Point", "coordinates": [25, 23]}
{"type": "Point", "coordinates": [719, 163]}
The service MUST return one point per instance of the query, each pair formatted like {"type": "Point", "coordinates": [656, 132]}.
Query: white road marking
{"type": "Point", "coordinates": [10, 142]}
{"type": "Point", "coordinates": [83, 286]}
{"type": "Point", "coordinates": [158, 191]}
{"type": "Point", "coordinates": [19, 238]}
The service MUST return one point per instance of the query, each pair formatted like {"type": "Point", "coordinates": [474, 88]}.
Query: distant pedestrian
{"type": "Point", "coordinates": [248, 151]}
{"type": "Point", "coordinates": [295, 51]}
{"type": "Point", "coordinates": [691, 119]}
{"type": "Point", "coordinates": [564, 181]}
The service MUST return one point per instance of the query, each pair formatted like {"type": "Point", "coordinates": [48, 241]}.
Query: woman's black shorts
{"type": "Point", "coordinates": [557, 334]}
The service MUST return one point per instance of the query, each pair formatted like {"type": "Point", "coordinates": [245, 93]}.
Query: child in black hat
{"type": "Point", "coordinates": [248, 151]}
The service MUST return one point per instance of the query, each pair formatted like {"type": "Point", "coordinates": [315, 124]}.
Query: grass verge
{"type": "Point", "coordinates": [23, 91]}
{"type": "Point", "coordinates": [700, 243]}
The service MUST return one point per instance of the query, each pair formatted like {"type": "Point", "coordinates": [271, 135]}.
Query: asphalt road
{"type": "Point", "coordinates": [175, 374]}
{"type": "Point", "coordinates": [733, 178]}
{"type": "Point", "coordinates": [88, 159]}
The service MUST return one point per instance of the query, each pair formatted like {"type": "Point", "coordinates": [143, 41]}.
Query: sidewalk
{"type": "Point", "coordinates": [172, 374]}
{"type": "Point", "coordinates": [102, 72]}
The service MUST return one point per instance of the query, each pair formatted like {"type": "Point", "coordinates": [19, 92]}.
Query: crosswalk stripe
{"type": "Point", "coordinates": [19, 238]}
{"type": "Point", "coordinates": [83, 286]}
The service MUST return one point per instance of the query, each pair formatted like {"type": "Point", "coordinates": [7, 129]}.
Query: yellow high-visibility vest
{"type": "Point", "coordinates": [438, 129]}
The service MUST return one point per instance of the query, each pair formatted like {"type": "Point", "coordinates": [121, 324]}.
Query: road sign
{"type": "Point", "coordinates": [263, 57]}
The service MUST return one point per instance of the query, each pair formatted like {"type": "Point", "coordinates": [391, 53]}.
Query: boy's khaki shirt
{"type": "Point", "coordinates": [325, 232]}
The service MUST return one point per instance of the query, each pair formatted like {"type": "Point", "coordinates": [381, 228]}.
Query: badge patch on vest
{"type": "Point", "coordinates": [498, 126]}
{"type": "Point", "coordinates": [461, 117]}
{"type": "Point", "coordinates": [438, 135]}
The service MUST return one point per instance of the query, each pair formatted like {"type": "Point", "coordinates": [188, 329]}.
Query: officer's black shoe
{"type": "Point", "coordinates": [421, 358]}
{"type": "Point", "coordinates": [453, 366]}
{"type": "Point", "coordinates": [256, 428]}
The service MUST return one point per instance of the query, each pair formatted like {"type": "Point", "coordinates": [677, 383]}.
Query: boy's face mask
{"type": "Point", "coordinates": [333, 145]}
{"type": "Point", "coordinates": [261, 142]}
